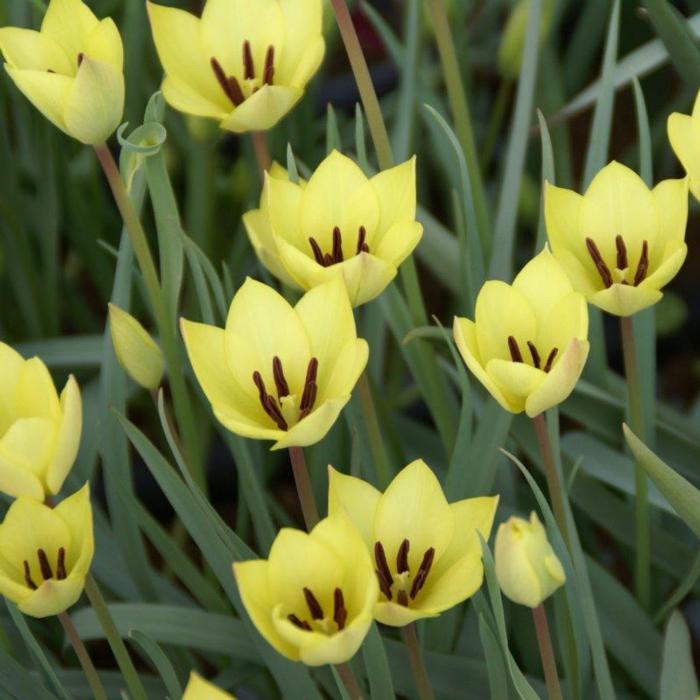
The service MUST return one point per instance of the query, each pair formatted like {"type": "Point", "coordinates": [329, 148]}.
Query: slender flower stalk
{"type": "Point", "coordinates": [349, 681]}
{"type": "Point", "coordinates": [374, 432]}
{"type": "Point", "coordinates": [549, 664]}
{"type": "Point", "coordinates": [642, 571]}
{"type": "Point", "coordinates": [262, 151]}
{"type": "Point", "coordinates": [420, 672]}
{"type": "Point", "coordinates": [83, 657]}
{"type": "Point", "coordinates": [304, 488]}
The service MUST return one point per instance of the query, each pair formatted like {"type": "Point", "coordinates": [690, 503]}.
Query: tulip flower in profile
{"type": "Point", "coordinates": [339, 220]}
{"type": "Point", "coordinates": [245, 63]}
{"type": "Point", "coordinates": [620, 242]}
{"type": "Point", "coordinates": [684, 135]}
{"type": "Point", "coordinates": [200, 689]}
{"type": "Point", "coordinates": [313, 598]}
{"type": "Point", "coordinates": [39, 432]}
{"type": "Point", "coordinates": [426, 551]}
{"type": "Point", "coordinates": [71, 70]}
{"type": "Point", "coordinates": [279, 372]}
{"type": "Point", "coordinates": [528, 344]}
{"type": "Point", "coordinates": [46, 553]}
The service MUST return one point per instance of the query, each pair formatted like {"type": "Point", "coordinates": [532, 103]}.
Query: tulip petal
{"type": "Point", "coordinates": [69, 22]}
{"type": "Point", "coordinates": [262, 110]}
{"type": "Point", "coordinates": [567, 319]}
{"type": "Point", "coordinates": [684, 135]}
{"type": "Point", "coordinates": [53, 597]}
{"type": "Point", "coordinates": [396, 615]}
{"type": "Point", "coordinates": [282, 201]}
{"type": "Point", "coordinates": [671, 198]}
{"type": "Point", "coordinates": [624, 299]}
{"type": "Point", "coordinates": [76, 512]}
{"type": "Point", "coordinates": [314, 427]}
{"type": "Point", "coordinates": [349, 365]}
{"type": "Point", "coordinates": [48, 92]}
{"type": "Point", "coordinates": [562, 210]}
{"type": "Point", "coordinates": [30, 50]}
{"type": "Point", "coordinates": [303, 43]}
{"type": "Point", "coordinates": [10, 365]}
{"type": "Point", "coordinates": [36, 393]}
{"type": "Point", "coordinates": [399, 242]}
{"type": "Point", "coordinates": [396, 194]}
{"type": "Point", "coordinates": [516, 379]}
{"type": "Point", "coordinates": [516, 575]}
{"type": "Point", "coordinates": [184, 98]}
{"type": "Point", "coordinates": [199, 688]}
{"type": "Point", "coordinates": [355, 498]}
{"type": "Point", "coordinates": [237, 422]}
{"type": "Point", "coordinates": [105, 44]}
{"type": "Point", "coordinates": [28, 444]}
{"type": "Point", "coordinates": [672, 263]}
{"type": "Point", "coordinates": [16, 481]}
{"type": "Point", "coordinates": [310, 62]}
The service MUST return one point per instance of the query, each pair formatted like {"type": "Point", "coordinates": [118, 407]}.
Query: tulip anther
{"type": "Point", "coordinates": [340, 613]}
{"type": "Point", "coordinates": [336, 254]}
{"type": "Point", "coordinates": [517, 356]}
{"type": "Point", "coordinates": [45, 568]}
{"type": "Point", "coordinates": [622, 262]}
{"type": "Point", "coordinates": [386, 580]}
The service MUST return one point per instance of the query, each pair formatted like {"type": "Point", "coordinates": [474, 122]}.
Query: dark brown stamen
{"type": "Point", "coordinates": [621, 253]}
{"type": "Point", "coordinates": [515, 353]}
{"type": "Point", "coordinates": [423, 572]}
{"type": "Point", "coordinates": [550, 359]}
{"type": "Point", "coordinates": [237, 96]}
{"type": "Point", "coordinates": [248, 65]}
{"type": "Point", "coordinates": [229, 85]}
{"type": "Point", "coordinates": [268, 403]}
{"type": "Point", "coordinates": [301, 624]}
{"type": "Point", "coordinates": [318, 253]}
{"type": "Point", "coordinates": [314, 606]}
{"type": "Point", "coordinates": [362, 246]}
{"type": "Point", "coordinates": [61, 566]}
{"type": "Point", "coordinates": [340, 614]}
{"type": "Point", "coordinates": [28, 576]}
{"type": "Point", "coordinates": [534, 353]}
{"type": "Point", "coordinates": [308, 397]}
{"type": "Point", "coordinates": [44, 564]}
{"type": "Point", "coordinates": [386, 580]}
{"type": "Point", "coordinates": [280, 380]}
{"type": "Point", "coordinates": [269, 69]}
{"type": "Point", "coordinates": [643, 266]}
{"type": "Point", "coordinates": [81, 57]}
{"type": "Point", "coordinates": [402, 598]}
{"type": "Point", "coordinates": [603, 269]}
{"type": "Point", "coordinates": [328, 260]}
{"type": "Point", "coordinates": [337, 246]}
{"type": "Point", "coordinates": [402, 557]}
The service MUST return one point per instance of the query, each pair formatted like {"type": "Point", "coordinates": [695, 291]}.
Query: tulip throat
{"type": "Point", "coordinates": [517, 356]}
{"type": "Point", "coordinates": [45, 569]}
{"type": "Point", "coordinates": [404, 585]}
{"type": "Point", "coordinates": [319, 622]}
{"type": "Point", "coordinates": [621, 272]}
{"type": "Point", "coordinates": [336, 255]}
{"type": "Point", "coordinates": [235, 89]}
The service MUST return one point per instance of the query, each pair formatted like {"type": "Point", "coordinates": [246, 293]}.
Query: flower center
{"type": "Point", "coordinates": [336, 254]}
{"type": "Point", "coordinates": [274, 407]}
{"type": "Point", "coordinates": [319, 622]}
{"type": "Point", "coordinates": [517, 356]}
{"type": "Point", "coordinates": [45, 568]}
{"type": "Point", "coordinates": [405, 586]}
{"type": "Point", "coordinates": [621, 270]}
{"type": "Point", "coordinates": [230, 84]}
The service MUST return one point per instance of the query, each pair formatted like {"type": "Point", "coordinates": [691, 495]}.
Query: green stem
{"type": "Point", "coordinates": [88, 667]}
{"type": "Point", "coordinates": [121, 654]}
{"type": "Point", "coordinates": [642, 570]}
{"type": "Point", "coordinates": [549, 664]}
{"type": "Point", "coordinates": [349, 681]}
{"type": "Point", "coordinates": [262, 151]}
{"type": "Point", "coordinates": [415, 655]}
{"type": "Point", "coordinates": [374, 431]}
{"type": "Point", "coordinates": [552, 474]}
{"type": "Point", "coordinates": [495, 123]}
{"type": "Point", "coordinates": [303, 484]}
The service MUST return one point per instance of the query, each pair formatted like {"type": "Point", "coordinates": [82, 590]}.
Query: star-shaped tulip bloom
{"type": "Point", "coordinates": [71, 70]}
{"type": "Point", "coordinates": [313, 598]}
{"type": "Point", "coordinates": [620, 242]}
{"type": "Point", "coordinates": [45, 553]}
{"type": "Point", "coordinates": [340, 220]}
{"type": "Point", "coordinates": [39, 431]}
{"type": "Point", "coordinates": [528, 344]}
{"type": "Point", "coordinates": [426, 551]}
{"type": "Point", "coordinates": [279, 372]}
{"type": "Point", "coordinates": [684, 135]}
{"type": "Point", "coordinates": [245, 63]}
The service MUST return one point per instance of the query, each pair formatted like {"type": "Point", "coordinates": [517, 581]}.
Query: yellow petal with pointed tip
{"type": "Point", "coordinates": [104, 43]}
{"type": "Point", "coordinates": [69, 22]}
{"type": "Point", "coordinates": [624, 299]}
{"type": "Point", "coordinates": [304, 45]}
{"type": "Point", "coordinates": [355, 498]}
{"type": "Point", "coordinates": [684, 135]}
{"type": "Point", "coordinates": [48, 92]}
{"type": "Point", "coordinates": [200, 689]}
{"type": "Point", "coordinates": [263, 109]}
{"type": "Point", "coordinates": [398, 242]}
{"type": "Point", "coordinates": [314, 427]}
{"type": "Point", "coordinates": [31, 50]}
{"type": "Point", "coordinates": [396, 194]}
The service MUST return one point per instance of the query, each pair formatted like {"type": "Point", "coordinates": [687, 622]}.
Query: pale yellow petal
{"type": "Point", "coordinates": [31, 50]}
{"type": "Point", "coordinates": [310, 62]}
{"type": "Point", "coordinates": [684, 135]}
{"type": "Point", "coordinates": [282, 202]}
{"type": "Point", "coordinates": [624, 299]}
{"type": "Point", "coordinates": [350, 364]}
{"type": "Point", "coordinates": [303, 44]}
{"type": "Point", "coordinates": [28, 444]}
{"type": "Point", "coordinates": [314, 427]}
{"type": "Point", "coordinates": [69, 23]}
{"type": "Point", "coordinates": [68, 437]}
{"type": "Point", "coordinates": [396, 193]}
{"type": "Point", "coordinates": [16, 481]}
{"type": "Point", "coordinates": [200, 689]}
{"type": "Point", "coordinates": [396, 615]}
{"type": "Point", "coordinates": [398, 242]}
{"type": "Point", "coordinates": [516, 379]}
{"type": "Point", "coordinates": [104, 44]}
{"type": "Point", "coordinates": [453, 585]}
{"type": "Point", "coordinates": [562, 209]}
{"type": "Point", "coordinates": [673, 258]}
{"type": "Point", "coordinates": [184, 98]}
{"type": "Point", "coordinates": [671, 197]}
{"type": "Point", "coordinates": [10, 365]}
{"type": "Point", "coordinates": [355, 498]}
{"type": "Point", "coordinates": [262, 110]}
{"type": "Point", "coordinates": [76, 513]}
{"type": "Point", "coordinates": [53, 597]}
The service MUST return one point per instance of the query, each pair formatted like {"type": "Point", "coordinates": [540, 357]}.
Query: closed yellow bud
{"type": "Point", "coordinates": [684, 135]}
{"type": "Point", "coordinates": [527, 568]}
{"type": "Point", "coordinates": [71, 70]}
{"type": "Point", "coordinates": [39, 431]}
{"type": "Point", "coordinates": [136, 351]}
{"type": "Point", "coordinates": [200, 689]}
{"type": "Point", "coordinates": [46, 553]}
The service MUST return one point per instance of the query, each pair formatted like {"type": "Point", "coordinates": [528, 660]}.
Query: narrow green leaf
{"type": "Point", "coordinates": [377, 665]}
{"type": "Point", "coordinates": [404, 122]}
{"type": "Point", "coordinates": [678, 679]}
{"type": "Point", "coordinates": [548, 175]}
{"type": "Point", "coordinates": [160, 662]}
{"type": "Point", "coordinates": [19, 683]}
{"type": "Point", "coordinates": [684, 588]}
{"type": "Point", "coordinates": [333, 141]}
{"type": "Point", "coordinates": [494, 661]}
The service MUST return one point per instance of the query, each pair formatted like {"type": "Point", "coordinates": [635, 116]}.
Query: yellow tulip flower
{"type": "Point", "coordinates": [200, 689]}
{"type": "Point", "coordinates": [528, 345]}
{"type": "Point", "coordinates": [46, 553]}
{"type": "Point", "coordinates": [426, 551]}
{"type": "Point", "coordinates": [245, 63]}
{"type": "Point", "coordinates": [620, 242]}
{"type": "Point", "coordinates": [312, 599]}
{"type": "Point", "coordinates": [279, 372]}
{"type": "Point", "coordinates": [39, 432]}
{"type": "Point", "coordinates": [684, 135]}
{"type": "Point", "coordinates": [71, 70]}
{"type": "Point", "coordinates": [339, 221]}
{"type": "Point", "coordinates": [527, 569]}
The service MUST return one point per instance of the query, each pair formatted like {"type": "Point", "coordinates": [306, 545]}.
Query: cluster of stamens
{"type": "Point", "coordinates": [386, 581]}
{"type": "Point", "coordinates": [621, 262]}
{"type": "Point", "coordinates": [517, 356]}
{"type": "Point", "coordinates": [336, 254]}
{"type": "Point", "coordinates": [45, 568]}
{"type": "Point", "coordinates": [272, 406]}
{"type": "Point", "coordinates": [340, 613]}
{"type": "Point", "coordinates": [229, 83]}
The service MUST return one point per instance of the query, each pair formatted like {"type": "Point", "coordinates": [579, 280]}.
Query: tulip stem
{"type": "Point", "coordinates": [415, 655]}
{"type": "Point", "coordinates": [552, 474]}
{"type": "Point", "coordinates": [374, 431]}
{"type": "Point", "coordinates": [121, 654]}
{"type": "Point", "coordinates": [262, 151]}
{"type": "Point", "coordinates": [642, 570]}
{"type": "Point", "coordinates": [549, 664]}
{"type": "Point", "coordinates": [304, 489]}
{"type": "Point", "coordinates": [349, 681]}
{"type": "Point", "coordinates": [88, 667]}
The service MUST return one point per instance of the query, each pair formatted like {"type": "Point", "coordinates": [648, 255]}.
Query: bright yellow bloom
{"type": "Point", "coordinates": [71, 70]}
{"type": "Point", "coordinates": [45, 553]}
{"type": "Point", "coordinates": [684, 135]}
{"type": "Point", "coordinates": [200, 689]}
{"type": "Point", "coordinates": [528, 345]}
{"type": "Point", "coordinates": [339, 221]}
{"type": "Point", "coordinates": [312, 599]}
{"type": "Point", "coordinates": [527, 568]}
{"type": "Point", "coordinates": [279, 372]}
{"type": "Point", "coordinates": [39, 432]}
{"type": "Point", "coordinates": [620, 243]}
{"type": "Point", "coordinates": [426, 551]}
{"type": "Point", "coordinates": [136, 351]}
{"type": "Point", "coordinates": [245, 63]}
